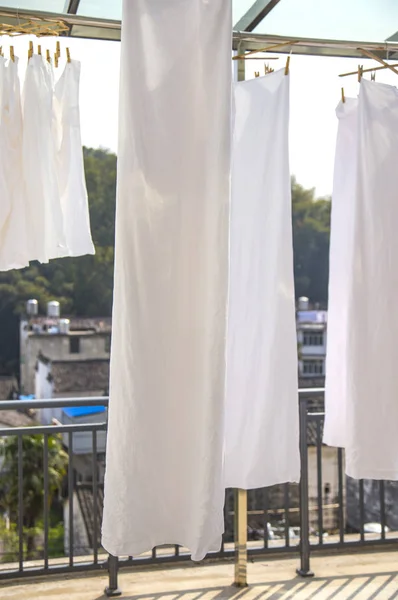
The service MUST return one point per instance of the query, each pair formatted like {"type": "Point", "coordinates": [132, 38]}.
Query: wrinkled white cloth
{"type": "Point", "coordinates": [342, 247]}
{"type": "Point", "coordinates": [262, 424]}
{"type": "Point", "coordinates": [70, 166]}
{"type": "Point", "coordinates": [46, 237]}
{"type": "Point", "coordinates": [5, 204]}
{"type": "Point", "coordinates": [164, 480]}
{"type": "Point", "coordinates": [13, 232]}
{"type": "Point", "coordinates": [372, 349]}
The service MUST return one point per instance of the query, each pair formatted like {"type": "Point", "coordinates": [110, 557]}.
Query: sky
{"type": "Point", "coordinates": [315, 91]}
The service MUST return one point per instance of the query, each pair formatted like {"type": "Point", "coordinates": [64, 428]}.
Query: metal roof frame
{"type": "Point", "coordinates": [106, 29]}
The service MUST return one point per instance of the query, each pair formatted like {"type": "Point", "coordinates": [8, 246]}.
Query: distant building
{"type": "Point", "coordinates": [311, 340]}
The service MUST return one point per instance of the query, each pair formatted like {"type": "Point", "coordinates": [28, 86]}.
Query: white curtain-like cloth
{"type": "Point", "coordinates": [13, 231]}
{"type": "Point", "coordinates": [340, 272]}
{"type": "Point", "coordinates": [164, 480]}
{"type": "Point", "coordinates": [262, 429]}
{"type": "Point", "coordinates": [46, 237]}
{"type": "Point", "coordinates": [371, 322]}
{"type": "Point", "coordinates": [70, 166]}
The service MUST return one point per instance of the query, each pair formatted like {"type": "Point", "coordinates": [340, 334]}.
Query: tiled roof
{"type": "Point", "coordinates": [15, 418]}
{"type": "Point", "coordinates": [80, 376]}
{"type": "Point", "coordinates": [98, 324]}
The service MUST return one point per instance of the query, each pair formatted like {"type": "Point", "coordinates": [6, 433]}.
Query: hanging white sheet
{"type": "Point", "coordinates": [372, 349]}
{"type": "Point", "coordinates": [5, 204]}
{"type": "Point", "coordinates": [164, 479]}
{"type": "Point", "coordinates": [70, 166]}
{"type": "Point", "coordinates": [262, 429]}
{"type": "Point", "coordinates": [340, 273]}
{"type": "Point", "coordinates": [13, 232]}
{"type": "Point", "coordinates": [46, 237]}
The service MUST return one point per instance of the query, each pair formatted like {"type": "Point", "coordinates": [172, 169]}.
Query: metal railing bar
{"type": "Point", "coordinates": [340, 493]}
{"type": "Point", "coordinates": [95, 498]}
{"type": "Point", "coordinates": [52, 429]}
{"type": "Point", "coordinates": [20, 503]}
{"type": "Point", "coordinates": [382, 510]}
{"type": "Point", "coordinates": [287, 515]}
{"type": "Point", "coordinates": [46, 499]}
{"type": "Point", "coordinates": [70, 496]}
{"type": "Point", "coordinates": [362, 510]}
{"type": "Point", "coordinates": [53, 403]}
{"type": "Point", "coordinates": [265, 517]}
{"type": "Point", "coordinates": [319, 480]}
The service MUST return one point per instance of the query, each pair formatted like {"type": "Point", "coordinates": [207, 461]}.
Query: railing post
{"type": "Point", "coordinates": [304, 570]}
{"type": "Point", "coordinates": [240, 538]}
{"type": "Point", "coordinates": [113, 567]}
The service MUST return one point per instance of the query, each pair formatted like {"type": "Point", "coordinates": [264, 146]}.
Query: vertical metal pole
{"type": "Point", "coordinates": [304, 570]}
{"type": "Point", "coordinates": [70, 497]}
{"type": "Point", "coordinates": [113, 567]}
{"type": "Point", "coordinates": [240, 538]}
{"type": "Point", "coordinates": [241, 495]}
{"type": "Point", "coordinates": [20, 503]}
{"type": "Point", "coordinates": [46, 499]}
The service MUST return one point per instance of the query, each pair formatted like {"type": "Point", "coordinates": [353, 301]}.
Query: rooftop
{"type": "Point", "coordinates": [80, 376]}
{"type": "Point", "coordinates": [362, 576]}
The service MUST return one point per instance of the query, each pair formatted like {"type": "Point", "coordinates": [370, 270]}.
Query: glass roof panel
{"type": "Point", "coordinates": [371, 21]}
{"type": "Point", "coordinates": [101, 9]}
{"type": "Point", "coordinates": [54, 6]}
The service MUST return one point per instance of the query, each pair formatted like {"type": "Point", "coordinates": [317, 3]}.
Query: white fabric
{"type": "Point", "coordinates": [372, 416]}
{"type": "Point", "coordinates": [46, 237]}
{"type": "Point", "coordinates": [164, 479]}
{"type": "Point", "coordinates": [340, 272]}
{"type": "Point", "coordinates": [262, 428]}
{"type": "Point", "coordinates": [70, 166]}
{"type": "Point", "coordinates": [13, 233]}
{"type": "Point", "coordinates": [5, 204]}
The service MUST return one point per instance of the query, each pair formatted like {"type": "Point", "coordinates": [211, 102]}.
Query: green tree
{"type": "Point", "coordinates": [311, 232]}
{"type": "Point", "coordinates": [33, 480]}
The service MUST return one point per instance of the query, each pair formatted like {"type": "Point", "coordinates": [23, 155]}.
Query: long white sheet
{"type": "Point", "coordinates": [262, 432]}
{"type": "Point", "coordinates": [372, 408]}
{"type": "Point", "coordinates": [340, 273]}
{"type": "Point", "coordinates": [164, 479]}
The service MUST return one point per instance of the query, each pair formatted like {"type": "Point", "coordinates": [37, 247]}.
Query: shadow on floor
{"type": "Point", "coordinates": [380, 586]}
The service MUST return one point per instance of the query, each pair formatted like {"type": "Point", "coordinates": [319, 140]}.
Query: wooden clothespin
{"type": "Point", "coordinates": [30, 51]}
{"type": "Point", "coordinates": [68, 55]}
{"type": "Point", "coordinates": [1, 51]}
{"type": "Point", "coordinates": [12, 55]}
{"type": "Point", "coordinates": [342, 96]}
{"type": "Point", "coordinates": [56, 60]}
{"type": "Point", "coordinates": [39, 49]}
{"type": "Point", "coordinates": [256, 73]}
{"type": "Point", "coordinates": [287, 65]}
{"type": "Point", "coordinates": [48, 56]}
{"type": "Point", "coordinates": [58, 49]}
{"type": "Point", "coordinates": [373, 76]}
{"type": "Point", "coordinates": [360, 73]}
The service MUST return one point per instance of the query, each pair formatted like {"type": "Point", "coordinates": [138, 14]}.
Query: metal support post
{"type": "Point", "coordinates": [304, 570]}
{"type": "Point", "coordinates": [113, 567]}
{"type": "Point", "coordinates": [240, 538]}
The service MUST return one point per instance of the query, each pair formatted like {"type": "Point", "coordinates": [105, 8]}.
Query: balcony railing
{"type": "Point", "coordinates": [326, 511]}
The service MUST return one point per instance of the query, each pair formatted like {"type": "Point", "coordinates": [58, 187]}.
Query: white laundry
{"type": "Point", "coordinates": [70, 166]}
{"type": "Point", "coordinates": [262, 425]}
{"type": "Point", "coordinates": [342, 245]}
{"type": "Point", "coordinates": [5, 204]}
{"type": "Point", "coordinates": [46, 237]}
{"type": "Point", "coordinates": [13, 233]}
{"type": "Point", "coordinates": [163, 480]}
{"type": "Point", "coordinates": [372, 349]}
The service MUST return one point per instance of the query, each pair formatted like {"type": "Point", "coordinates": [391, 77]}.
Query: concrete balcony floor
{"type": "Point", "coordinates": [367, 576]}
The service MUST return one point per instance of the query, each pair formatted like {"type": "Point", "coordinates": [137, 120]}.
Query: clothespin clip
{"type": "Point", "coordinates": [58, 49]}
{"type": "Point", "coordinates": [287, 65]}
{"type": "Point", "coordinates": [373, 76]}
{"type": "Point", "coordinates": [30, 51]}
{"type": "Point", "coordinates": [1, 51]}
{"type": "Point", "coordinates": [56, 59]}
{"type": "Point", "coordinates": [360, 73]}
{"type": "Point", "coordinates": [68, 55]}
{"type": "Point", "coordinates": [48, 56]}
{"type": "Point", "coordinates": [12, 55]}
{"type": "Point", "coordinates": [39, 49]}
{"type": "Point", "coordinates": [256, 73]}
{"type": "Point", "coordinates": [342, 96]}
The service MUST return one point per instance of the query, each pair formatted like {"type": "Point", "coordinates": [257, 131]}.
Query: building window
{"type": "Point", "coordinates": [74, 345]}
{"type": "Point", "coordinates": [313, 338]}
{"type": "Point", "coordinates": [313, 366]}
{"type": "Point", "coordinates": [107, 342]}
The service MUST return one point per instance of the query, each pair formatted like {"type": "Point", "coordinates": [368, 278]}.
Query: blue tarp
{"type": "Point", "coordinates": [82, 411]}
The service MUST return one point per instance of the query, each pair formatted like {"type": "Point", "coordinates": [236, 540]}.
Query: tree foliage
{"type": "Point", "coordinates": [32, 479]}
{"type": "Point", "coordinates": [84, 285]}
